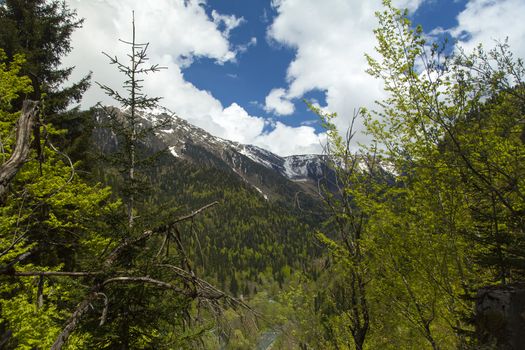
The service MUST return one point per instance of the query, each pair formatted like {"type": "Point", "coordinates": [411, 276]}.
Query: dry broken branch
{"type": "Point", "coordinates": [74, 319]}
{"type": "Point", "coordinates": [54, 273]}
{"type": "Point", "coordinates": [96, 290]}
{"type": "Point", "coordinates": [146, 234]}
{"type": "Point", "coordinates": [25, 124]}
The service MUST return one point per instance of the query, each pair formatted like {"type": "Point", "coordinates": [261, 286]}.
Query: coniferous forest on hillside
{"type": "Point", "coordinates": [415, 240]}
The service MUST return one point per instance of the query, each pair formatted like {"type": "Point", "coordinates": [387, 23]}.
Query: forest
{"type": "Point", "coordinates": [108, 242]}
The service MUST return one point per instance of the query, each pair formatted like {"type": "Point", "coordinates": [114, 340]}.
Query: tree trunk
{"type": "Point", "coordinates": [25, 124]}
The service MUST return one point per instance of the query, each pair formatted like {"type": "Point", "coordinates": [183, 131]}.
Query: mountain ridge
{"type": "Point", "coordinates": [251, 163]}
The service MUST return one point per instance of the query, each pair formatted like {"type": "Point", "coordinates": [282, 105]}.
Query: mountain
{"type": "Point", "coordinates": [267, 172]}
{"type": "Point", "coordinates": [269, 206]}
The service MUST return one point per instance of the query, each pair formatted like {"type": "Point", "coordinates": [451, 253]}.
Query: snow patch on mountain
{"type": "Point", "coordinates": [173, 151]}
{"type": "Point", "coordinates": [177, 132]}
{"type": "Point", "coordinates": [302, 166]}
{"type": "Point", "coordinates": [261, 192]}
{"type": "Point", "coordinates": [253, 156]}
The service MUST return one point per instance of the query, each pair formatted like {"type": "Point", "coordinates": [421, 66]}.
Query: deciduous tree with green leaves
{"type": "Point", "coordinates": [453, 219]}
{"type": "Point", "coordinates": [443, 206]}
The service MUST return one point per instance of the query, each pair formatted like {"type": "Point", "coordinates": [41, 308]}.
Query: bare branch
{"type": "Point", "coordinates": [54, 273]}
{"type": "Point", "coordinates": [195, 213]}
{"type": "Point", "coordinates": [25, 124]}
{"type": "Point", "coordinates": [117, 251]}
{"type": "Point", "coordinates": [105, 310]}
{"type": "Point", "coordinates": [74, 319]}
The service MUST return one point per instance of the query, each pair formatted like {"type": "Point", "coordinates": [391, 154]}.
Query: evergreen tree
{"type": "Point", "coordinates": [41, 31]}
{"type": "Point", "coordinates": [141, 314]}
{"type": "Point", "coordinates": [127, 123]}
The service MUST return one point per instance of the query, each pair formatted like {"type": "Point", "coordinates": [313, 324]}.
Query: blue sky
{"type": "Point", "coordinates": [248, 80]}
{"type": "Point", "coordinates": [240, 69]}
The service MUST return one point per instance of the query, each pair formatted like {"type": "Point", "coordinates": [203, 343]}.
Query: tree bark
{"type": "Point", "coordinates": [75, 319]}
{"type": "Point", "coordinates": [25, 124]}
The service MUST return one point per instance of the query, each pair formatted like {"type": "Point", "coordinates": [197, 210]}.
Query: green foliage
{"type": "Point", "coordinates": [12, 86]}
{"type": "Point", "coordinates": [41, 30]}
{"type": "Point", "coordinates": [50, 219]}
{"type": "Point", "coordinates": [417, 221]}
{"type": "Point", "coordinates": [447, 216]}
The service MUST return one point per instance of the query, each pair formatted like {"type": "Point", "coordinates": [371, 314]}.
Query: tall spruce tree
{"type": "Point", "coordinates": [140, 315]}
{"type": "Point", "coordinates": [126, 123]}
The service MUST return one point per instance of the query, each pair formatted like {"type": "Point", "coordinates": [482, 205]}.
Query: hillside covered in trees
{"type": "Point", "coordinates": [122, 227]}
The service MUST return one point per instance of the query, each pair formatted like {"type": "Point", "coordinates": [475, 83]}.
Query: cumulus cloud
{"type": "Point", "coordinates": [230, 22]}
{"type": "Point", "coordinates": [488, 21]}
{"type": "Point", "coordinates": [165, 24]}
{"type": "Point", "coordinates": [277, 102]}
{"type": "Point", "coordinates": [305, 140]}
{"type": "Point", "coordinates": [330, 38]}
{"type": "Point", "coordinates": [244, 47]}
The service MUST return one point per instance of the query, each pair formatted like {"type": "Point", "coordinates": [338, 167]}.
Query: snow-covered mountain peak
{"type": "Point", "coordinates": [254, 165]}
{"type": "Point", "coordinates": [268, 173]}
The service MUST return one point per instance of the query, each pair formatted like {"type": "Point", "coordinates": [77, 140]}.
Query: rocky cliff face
{"type": "Point", "coordinates": [500, 317]}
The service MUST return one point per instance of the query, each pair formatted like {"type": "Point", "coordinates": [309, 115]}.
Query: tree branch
{"type": "Point", "coordinates": [25, 124]}
{"type": "Point", "coordinates": [55, 273]}
{"type": "Point", "coordinates": [117, 251]}
{"type": "Point", "coordinates": [74, 319]}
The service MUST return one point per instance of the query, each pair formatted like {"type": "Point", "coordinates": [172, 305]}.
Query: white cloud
{"type": "Point", "coordinates": [277, 102]}
{"type": "Point", "coordinates": [230, 22]}
{"type": "Point", "coordinates": [286, 140]}
{"type": "Point", "coordinates": [331, 38]}
{"type": "Point", "coordinates": [488, 21]}
{"type": "Point", "coordinates": [164, 23]}
{"type": "Point", "coordinates": [178, 31]}
{"type": "Point", "coordinates": [233, 122]}
{"type": "Point", "coordinates": [240, 126]}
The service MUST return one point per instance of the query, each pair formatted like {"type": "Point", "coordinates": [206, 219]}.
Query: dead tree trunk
{"type": "Point", "coordinates": [20, 154]}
